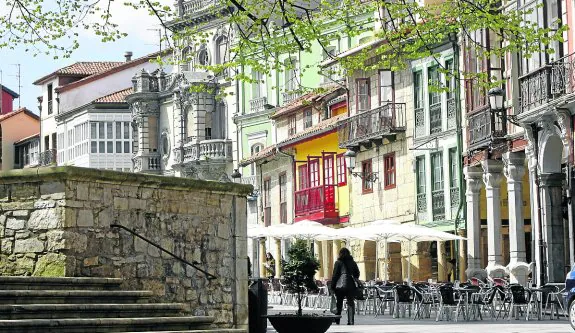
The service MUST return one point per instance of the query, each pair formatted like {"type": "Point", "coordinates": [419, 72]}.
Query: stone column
{"type": "Point", "coordinates": [319, 255]}
{"type": "Point", "coordinates": [441, 262]}
{"type": "Point", "coordinates": [552, 226]}
{"type": "Point", "coordinates": [278, 243]}
{"type": "Point", "coordinates": [327, 264]}
{"type": "Point", "coordinates": [514, 171]}
{"type": "Point", "coordinates": [473, 176]}
{"type": "Point", "coordinates": [335, 253]}
{"type": "Point", "coordinates": [462, 257]}
{"type": "Point", "coordinates": [535, 220]}
{"type": "Point", "coordinates": [492, 177]}
{"type": "Point", "coordinates": [262, 257]}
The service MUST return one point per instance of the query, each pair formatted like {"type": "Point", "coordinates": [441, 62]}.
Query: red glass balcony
{"type": "Point", "coordinates": [317, 204]}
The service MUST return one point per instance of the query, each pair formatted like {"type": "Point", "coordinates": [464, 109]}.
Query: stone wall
{"type": "Point", "coordinates": [56, 222]}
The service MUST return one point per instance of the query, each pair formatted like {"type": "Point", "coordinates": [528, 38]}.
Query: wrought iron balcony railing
{"type": "Point", "coordinates": [485, 127]}
{"type": "Point", "coordinates": [548, 83]}
{"type": "Point", "coordinates": [421, 202]}
{"type": "Point", "coordinates": [50, 107]}
{"type": "Point", "coordinates": [438, 204]}
{"type": "Point", "coordinates": [48, 157]}
{"type": "Point", "coordinates": [372, 124]}
{"type": "Point", "coordinates": [451, 121]}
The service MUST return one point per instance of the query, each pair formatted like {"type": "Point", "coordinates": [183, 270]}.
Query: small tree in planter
{"type": "Point", "coordinates": [299, 271]}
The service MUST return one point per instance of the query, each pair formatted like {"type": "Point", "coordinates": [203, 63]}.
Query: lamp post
{"type": "Point", "coordinates": [236, 175]}
{"type": "Point", "coordinates": [350, 156]}
{"type": "Point", "coordinates": [496, 99]}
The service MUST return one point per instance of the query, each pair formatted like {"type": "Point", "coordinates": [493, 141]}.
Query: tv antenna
{"type": "Point", "coordinates": [19, 76]}
{"type": "Point", "coordinates": [159, 31]}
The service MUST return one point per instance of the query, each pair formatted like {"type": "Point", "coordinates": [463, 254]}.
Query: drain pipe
{"type": "Point", "coordinates": [235, 263]}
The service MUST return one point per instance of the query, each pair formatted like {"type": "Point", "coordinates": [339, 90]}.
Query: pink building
{"type": "Point", "coordinates": [7, 100]}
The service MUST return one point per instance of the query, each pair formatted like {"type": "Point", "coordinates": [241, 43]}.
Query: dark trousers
{"type": "Point", "coordinates": [349, 296]}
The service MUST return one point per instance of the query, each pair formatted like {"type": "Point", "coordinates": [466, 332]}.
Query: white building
{"type": "Point", "coordinates": [85, 120]}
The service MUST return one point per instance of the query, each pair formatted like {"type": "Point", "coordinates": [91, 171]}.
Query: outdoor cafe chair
{"type": "Point", "coordinates": [518, 299]}
{"type": "Point", "coordinates": [425, 301]}
{"type": "Point", "coordinates": [484, 301]}
{"type": "Point", "coordinates": [385, 299]}
{"type": "Point", "coordinates": [403, 300]}
{"type": "Point", "coordinates": [448, 304]}
{"type": "Point", "coordinates": [554, 303]}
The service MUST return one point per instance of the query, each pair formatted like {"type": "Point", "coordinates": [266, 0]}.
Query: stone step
{"type": "Point", "coordinates": [60, 311]}
{"type": "Point", "coordinates": [72, 296]}
{"type": "Point", "coordinates": [51, 283]}
{"type": "Point", "coordinates": [108, 325]}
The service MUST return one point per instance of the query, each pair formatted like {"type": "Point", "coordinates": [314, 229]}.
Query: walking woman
{"type": "Point", "coordinates": [342, 283]}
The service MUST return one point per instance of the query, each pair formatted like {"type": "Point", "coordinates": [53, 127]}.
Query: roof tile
{"type": "Point", "coordinates": [116, 97]}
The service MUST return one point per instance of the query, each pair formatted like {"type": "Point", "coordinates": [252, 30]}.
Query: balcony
{"type": "Point", "coordinates": [438, 204]}
{"type": "Point", "coordinates": [485, 128]}
{"type": "Point", "coordinates": [290, 96]}
{"type": "Point", "coordinates": [216, 150]}
{"type": "Point", "coordinates": [451, 121]}
{"type": "Point", "coordinates": [372, 126]}
{"type": "Point", "coordinates": [316, 203]}
{"type": "Point", "coordinates": [48, 157]}
{"type": "Point", "coordinates": [258, 104]}
{"type": "Point", "coordinates": [547, 84]}
{"type": "Point", "coordinates": [192, 7]}
{"type": "Point", "coordinates": [147, 163]}
{"type": "Point", "coordinates": [422, 206]}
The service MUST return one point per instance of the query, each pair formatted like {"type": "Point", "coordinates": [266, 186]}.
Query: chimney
{"type": "Point", "coordinates": [128, 56]}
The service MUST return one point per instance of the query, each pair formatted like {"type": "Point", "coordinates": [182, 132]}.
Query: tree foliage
{"type": "Point", "coordinates": [299, 271]}
{"type": "Point", "coordinates": [264, 32]}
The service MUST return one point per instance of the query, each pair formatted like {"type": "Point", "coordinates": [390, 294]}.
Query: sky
{"type": "Point", "coordinates": [140, 41]}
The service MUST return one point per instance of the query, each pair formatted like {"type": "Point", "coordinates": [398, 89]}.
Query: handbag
{"type": "Point", "coordinates": [333, 305]}
{"type": "Point", "coordinates": [357, 287]}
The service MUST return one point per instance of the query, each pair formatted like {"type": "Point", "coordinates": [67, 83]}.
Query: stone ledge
{"type": "Point", "coordinates": [61, 173]}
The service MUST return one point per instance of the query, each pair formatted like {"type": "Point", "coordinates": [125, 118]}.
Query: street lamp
{"type": "Point", "coordinates": [236, 175]}
{"type": "Point", "coordinates": [350, 158]}
{"type": "Point", "coordinates": [495, 99]}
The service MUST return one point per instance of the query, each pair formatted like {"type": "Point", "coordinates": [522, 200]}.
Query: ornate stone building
{"type": "Point", "coordinates": [181, 123]}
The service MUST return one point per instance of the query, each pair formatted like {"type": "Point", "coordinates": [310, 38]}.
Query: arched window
{"type": "Point", "coordinates": [221, 50]}
{"type": "Point", "coordinates": [256, 148]}
{"type": "Point", "coordinates": [203, 56]}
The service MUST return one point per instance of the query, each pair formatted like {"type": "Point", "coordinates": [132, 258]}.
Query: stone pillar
{"type": "Point", "coordinates": [473, 176]}
{"type": "Point", "coordinates": [278, 243]}
{"type": "Point", "coordinates": [327, 263]}
{"type": "Point", "coordinates": [262, 256]}
{"type": "Point", "coordinates": [492, 177]}
{"type": "Point", "coordinates": [552, 226]}
{"type": "Point", "coordinates": [319, 255]}
{"type": "Point", "coordinates": [535, 217]}
{"type": "Point", "coordinates": [462, 257]}
{"type": "Point", "coordinates": [514, 171]}
{"type": "Point", "coordinates": [336, 246]}
{"type": "Point", "coordinates": [441, 262]}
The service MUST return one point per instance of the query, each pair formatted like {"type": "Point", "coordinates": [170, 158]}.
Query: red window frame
{"type": "Point", "coordinates": [389, 180]}
{"type": "Point", "coordinates": [282, 180]}
{"type": "Point", "coordinates": [303, 176]}
{"type": "Point", "coordinates": [313, 168]}
{"type": "Point", "coordinates": [341, 170]}
{"type": "Point", "coordinates": [366, 168]}
{"type": "Point", "coordinates": [328, 168]}
{"type": "Point", "coordinates": [357, 94]}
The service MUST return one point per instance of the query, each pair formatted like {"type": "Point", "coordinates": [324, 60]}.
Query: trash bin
{"type": "Point", "coordinates": [258, 306]}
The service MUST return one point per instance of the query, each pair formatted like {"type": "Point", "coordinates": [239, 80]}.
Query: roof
{"type": "Point", "coordinates": [306, 100]}
{"type": "Point", "coordinates": [349, 52]}
{"type": "Point", "coordinates": [9, 91]}
{"type": "Point", "coordinates": [81, 69]}
{"type": "Point", "coordinates": [320, 128]}
{"type": "Point", "coordinates": [115, 97]}
{"type": "Point", "coordinates": [37, 135]}
{"type": "Point", "coordinates": [17, 112]}
{"type": "Point", "coordinates": [114, 69]}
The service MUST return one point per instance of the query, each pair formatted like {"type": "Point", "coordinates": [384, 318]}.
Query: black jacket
{"type": "Point", "coordinates": [338, 268]}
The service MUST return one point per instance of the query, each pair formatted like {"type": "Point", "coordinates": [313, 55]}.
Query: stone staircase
{"type": "Point", "coordinates": [89, 305]}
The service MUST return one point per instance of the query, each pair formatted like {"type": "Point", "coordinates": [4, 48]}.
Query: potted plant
{"type": "Point", "coordinates": [299, 272]}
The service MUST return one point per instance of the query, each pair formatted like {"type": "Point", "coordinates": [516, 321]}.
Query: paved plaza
{"type": "Point", "coordinates": [369, 324]}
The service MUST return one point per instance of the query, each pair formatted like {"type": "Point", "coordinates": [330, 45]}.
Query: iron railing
{"type": "Point", "coordinates": [372, 124]}
{"type": "Point", "coordinates": [419, 122]}
{"type": "Point", "coordinates": [50, 107]}
{"type": "Point", "coordinates": [438, 205]}
{"type": "Point", "coordinates": [48, 157]}
{"type": "Point", "coordinates": [451, 121]}
{"type": "Point", "coordinates": [193, 264]}
{"type": "Point", "coordinates": [485, 127]}
{"type": "Point", "coordinates": [421, 202]}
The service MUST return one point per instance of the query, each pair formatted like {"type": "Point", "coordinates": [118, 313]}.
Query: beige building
{"type": "Point", "coordinates": [14, 127]}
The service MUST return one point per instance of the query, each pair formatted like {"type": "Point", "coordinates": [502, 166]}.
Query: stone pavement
{"type": "Point", "coordinates": [369, 324]}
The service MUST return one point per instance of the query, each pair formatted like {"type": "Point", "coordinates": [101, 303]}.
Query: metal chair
{"type": "Point", "coordinates": [403, 299]}
{"type": "Point", "coordinates": [447, 303]}
{"type": "Point", "coordinates": [484, 301]}
{"type": "Point", "coordinates": [517, 299]}
{"type": "Point", "coordinates": [554, 302]}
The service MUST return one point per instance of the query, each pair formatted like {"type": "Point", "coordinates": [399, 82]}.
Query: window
{"type": "Point", "coordinates": [267, 203]}
{"type": "Point", "coordinates": [328, 169]}
{"type": "Point", "coordinates": [54, 141]}
{"type": "Point", "coordinates": [418, 90]}
{"type": "Point", "coordinates": [50, 96]}
{"type": "Point", "coordinates": [453, 168]}
{"type": "Point", "coordinates": [450, 79]}
{"type": "Point", "coordinates": [385, 87]}
{"type": "Point", "coordinates": [307, 118]}
{"type": "Point", "coordinates": [203, 57]}
{"type": "Point", "coordinates": [433, 82]}
{"type": "Point", "coordinates": [313, 173]}
{"type": "Point", "coordinates": [362, 95]}
{"type": "Point", "coordinates": [208, 133]}
{"type": "Point", "coordinates": [283, 197]}
{"type": "Point", "coordinates": [436, 172]}
{"type": "Point", "coordinates": [389, 170]}
{"type": "Point", "coordinates": [303, 177]}
{"type": "Point", "coordinates": [292, 125]}
{"type": "Point", "coordinates": [366, 171]}
{"type": "Point", "coordinates": [254, 150]}
{"type": "Point", "coordinates": [221, 49]}
{"type": "Point", "coordinates": [104, 137]}
{"type": "Point", "coordinates": [257, 85]}
{"type": "Point", "coordinates": [186, 59]}
{"type": "Point", "coordinates": [341, 170]}
{"type": "Point", "coordinates": [420, 170]}
{"type": "Point", "coordinates": [291, 74]}
{"type": "Point", "coordinates": [330, 74]}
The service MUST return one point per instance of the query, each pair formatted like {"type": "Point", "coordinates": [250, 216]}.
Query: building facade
{"type": "Point", "coordinates": [16, 126]}
{"type": "Point", "coordinates": [7, 97]}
